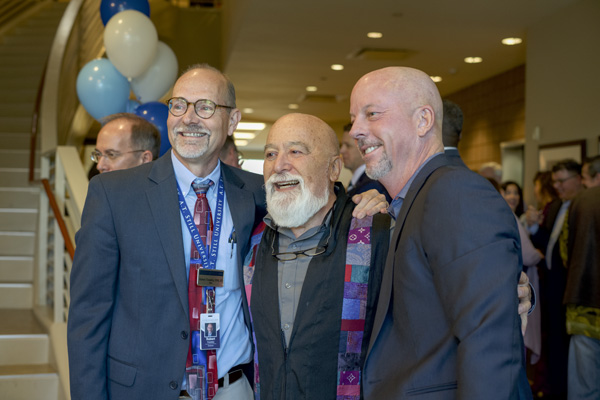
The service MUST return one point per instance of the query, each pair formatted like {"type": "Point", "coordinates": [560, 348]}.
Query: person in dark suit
{"type": "Point", "coordinates": [582, 294]}
{"type": "Point", "coordinates": [128, 328]}
{"type": "Point", "coordinates": [452, 124]}
{"type": "Point", "coordinates": [360, 181]}
{"type": "Point", "coordinates": [446, 324]}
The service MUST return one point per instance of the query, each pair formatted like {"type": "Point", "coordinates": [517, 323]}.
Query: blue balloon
{"type": "Point", "coordinates": [108, 8]}
{"type": "Point", "coordinates": [101, 89]}
{"type": "Point", "coordinates": [131, 106]}
{"type": "Point", "coordinates": [157, 113]}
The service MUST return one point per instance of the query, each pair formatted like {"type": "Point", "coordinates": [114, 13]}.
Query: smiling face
{"type": "Point", "coordinates": [512, 196]}
{"type": "Point", "coordinates": [393, 112]}
{"type": "Point", "coordinates": [196, 141]}
{"type": "Point", "coordinates": [567, 184]}
{"type": "Point", "coordinates": [301, 166]}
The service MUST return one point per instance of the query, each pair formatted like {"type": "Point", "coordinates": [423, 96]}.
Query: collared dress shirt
{"type": "Point", "coordinates": [236, 348]}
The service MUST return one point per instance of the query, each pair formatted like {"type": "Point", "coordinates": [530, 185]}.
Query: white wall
{"type": "Point", "coordinates": [562, 95]}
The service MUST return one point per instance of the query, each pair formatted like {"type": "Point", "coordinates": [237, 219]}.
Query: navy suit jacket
{"type": "Point", "coordinates": [446, 325]}
{"type": "Point", "coordinates": [128, 327]}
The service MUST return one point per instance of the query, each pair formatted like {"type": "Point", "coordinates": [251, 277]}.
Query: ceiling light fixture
{"type": "Point", "coordinates": [375, 35]}
{"type": "Point", "coordinates": [436, 78]}
{"type": "Point", "coordinates": [248, 110]}
{"type": "Point", "coordinates": [251, 126]}
{"type": "Point", "coordinates": [337, 67]}
{"type": "Point", "coordinates": [293, 106]}
{"type": "Point", "coordinates": [244, 135]}
{"type": "Point", "coordinates": [473, 60]}
{"type": "Point", "coordinates": [240, 143]}
{"type": "Point", "coordinates": [311, 88]}
{"type": "Point", "coordinates": [511, 41]}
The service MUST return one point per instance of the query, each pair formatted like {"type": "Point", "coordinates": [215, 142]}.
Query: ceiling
{"type": "Point", "coordinates": [275, 49]}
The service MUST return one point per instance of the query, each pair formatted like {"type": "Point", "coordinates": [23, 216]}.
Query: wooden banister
{"type": "Point", "coordinates": [59, 219]}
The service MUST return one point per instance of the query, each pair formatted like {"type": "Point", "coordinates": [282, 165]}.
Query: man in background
{"type": "Point", "coordinates": [353, 161]}
{"type": "Point", "coordinates": [452, 131]}
{"type": "Point", "coordinates": [230, 154]}
{"type": "Point", "coordinates": [125, 141]}
{"type": "Point", "coordinates": [582, 294]}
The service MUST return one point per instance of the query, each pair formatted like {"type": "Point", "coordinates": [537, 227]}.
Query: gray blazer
{"type": "Point", "coordinates": [446, 325]}
{"type": "Point", "coordinates": [128, 328]}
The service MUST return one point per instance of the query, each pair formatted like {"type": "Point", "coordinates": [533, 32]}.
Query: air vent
{"type": "Point", "coordinates": [373, 54]}
{"type": "Point", "coordinates": [321, 98]}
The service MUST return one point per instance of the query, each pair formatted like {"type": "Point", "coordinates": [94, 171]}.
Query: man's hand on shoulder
{"type": "Point", "coordinates": [370, 202]}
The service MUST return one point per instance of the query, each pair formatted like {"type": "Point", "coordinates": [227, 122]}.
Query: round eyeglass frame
{"type": "Point", "coordinates": [199, 101]}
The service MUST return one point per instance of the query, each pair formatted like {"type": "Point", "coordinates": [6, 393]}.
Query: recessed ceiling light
{"type": "Point", "coordinates": [375, 35]}
{"type": "Point", "coordinates": [436, 78]}
{"type": "Point", "coordinates": [293, 106]}
{"type": "Point", "coordinates": [244, 135]}
{"type": "Point", "coordinates": [337, 67]}
{"type": "Point", "coordinates": [511, 41]}
{"type": "Point", "coordinates": [240, 143]}
{"type": "Point", "coordinates": [473, 60]}
{"type": "Point", "coordinates": [251, 126]}
{"type": "Point", "coordinates": [248, 110]}
{"type": "Point", "coordinates": [311, 88]}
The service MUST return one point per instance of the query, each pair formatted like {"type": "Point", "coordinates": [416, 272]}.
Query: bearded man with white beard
{"type": "Point", "coordinates": [318, 269]}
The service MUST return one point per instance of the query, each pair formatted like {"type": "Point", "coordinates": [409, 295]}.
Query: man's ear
{"type": "Point", "coordinates": [335, 168]}
{"type": "Point", "coordinates": [234, 118]}
{"type": "Point", "coordinates": [146, 156]}
{"type": "Point", "coordinates": [425, 120]}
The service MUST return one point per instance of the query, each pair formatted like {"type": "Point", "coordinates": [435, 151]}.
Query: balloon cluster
{"type": "Point", "coordinates": [136, 62]}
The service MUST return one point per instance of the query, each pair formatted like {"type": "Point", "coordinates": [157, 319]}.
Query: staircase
{"type": "Point", "coordinates": [25, 356]}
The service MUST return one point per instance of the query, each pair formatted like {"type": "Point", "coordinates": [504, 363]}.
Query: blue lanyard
{"type": "Point", "coordinates": [210, 260]}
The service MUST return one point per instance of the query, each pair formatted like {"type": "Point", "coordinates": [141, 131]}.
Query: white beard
{"type": "Point", "coordinates": [293, 209]}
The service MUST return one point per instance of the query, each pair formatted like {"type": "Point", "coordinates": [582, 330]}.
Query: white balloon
{"type": "Point", "coordinates": [159, 78]}
{"type": "Point", "coordinates": [131, 42]}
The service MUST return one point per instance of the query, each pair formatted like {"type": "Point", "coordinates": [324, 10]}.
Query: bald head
{"type": "Point", "coordinates": [302, 164]}
{"type": "Point", "coordinates": [397, 122]}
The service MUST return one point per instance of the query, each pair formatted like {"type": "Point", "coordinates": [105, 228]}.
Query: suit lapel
{"type": "Point", "coordinates": [242, 210]}
{"type": "Point", "coordinates": [162, 198]}
{"type": "Point", "coordinates": [388, 274]}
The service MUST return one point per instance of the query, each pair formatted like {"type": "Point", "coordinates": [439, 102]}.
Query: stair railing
{"type": "Point", "coordinates": [78, 40]}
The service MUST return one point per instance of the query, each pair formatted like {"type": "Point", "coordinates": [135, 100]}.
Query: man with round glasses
{"type": "Point", "coordinates": [125, 141]}
{"type": "Point", "coordinates": [129, 323]}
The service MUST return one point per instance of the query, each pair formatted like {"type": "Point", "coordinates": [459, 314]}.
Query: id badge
{"type": "Point", "coordinates": [210, 331]}
{"type": "Point", "coordinates": [210, 277]}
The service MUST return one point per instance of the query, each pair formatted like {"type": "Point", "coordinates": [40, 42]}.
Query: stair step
{"type": "Point", "coordinates": [12, 108]}
{"type": "Point", "coordinates": [16, 82]}
{"type": "Point", "coordinates": [19, 322]}
{"type": "Point", "coordinates": [18, 40]}
{"type": "Point", "coordinates": [18, 219]}
{"type": "Point", "coordinates": [16, 177]}
{"type": "Point", "coordinates": [15, 124]}
{"type": "Point", "coordinates": [16, 295]}
{"type": "Point", "coordinates": [15, 140]}
{"type": "Point", "coordinates": [15, 158]}
{"type": "Point", "coordinates": [29, 70]}
{"type": "Point", "coordinates": [17, 243]}
{"type": "Point", "coordinates": [21, 95]}
{"type": "Point", "coordinates": [24, 349]}
{"type": "Point", "coordinates": [9, 59]}
{"type": "Point", "coordinates": [20, 197]}
{"type": "Point", "coordinates": [26, 383]}
{"type": "Point", "coordinates": [15, 270]}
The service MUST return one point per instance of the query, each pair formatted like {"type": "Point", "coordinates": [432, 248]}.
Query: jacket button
{"type": "Point", "coordinates": [173, 385]}
{"type": "Point", "coordinates": [184, 335]}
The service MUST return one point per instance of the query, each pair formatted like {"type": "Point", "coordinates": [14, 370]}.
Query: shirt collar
{"type": "Point", "coordinates": [396, 204]}
{"type": "Point", "coordinates": [185, 177]}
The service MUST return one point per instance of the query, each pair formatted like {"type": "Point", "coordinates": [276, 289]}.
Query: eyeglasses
{"type": "Point", "coordinates": [561, 181]}
{"type": "Point", "coordinates": [292, 255]}
{"type": "Point", "coordinates": [204, 108]}
{"type": "Point", "coordinates": [111, 155]}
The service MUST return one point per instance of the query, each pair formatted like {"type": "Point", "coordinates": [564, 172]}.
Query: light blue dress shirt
{"type": "Point", "coordinates": [236, 347]}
